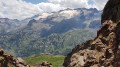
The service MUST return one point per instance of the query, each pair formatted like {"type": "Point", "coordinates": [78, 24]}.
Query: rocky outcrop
{"type": "Point", "coordinates": [104, 50]}
{"type": "Point", "coordinates": [44, 64]}
{"type": "Point", "coordinates": [7, 60]}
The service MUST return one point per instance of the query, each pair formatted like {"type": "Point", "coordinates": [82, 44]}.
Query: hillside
{"type": "Point", "coordinates": [59, 44]}
{"type": "Point", "coordinates": [6, 25]}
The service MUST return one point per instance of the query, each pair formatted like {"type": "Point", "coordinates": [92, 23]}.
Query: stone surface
{"type": "Point", "coordinates": [7, 60]}
{"type": "Point", "coordinates": [44, 64]}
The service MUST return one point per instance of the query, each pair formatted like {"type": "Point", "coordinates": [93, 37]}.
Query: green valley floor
{"type": "Point", "coordinates": [56, 60]}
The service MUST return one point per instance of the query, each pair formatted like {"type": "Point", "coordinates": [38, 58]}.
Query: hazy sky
{"type": "Point", "coordinates": [21, 9]}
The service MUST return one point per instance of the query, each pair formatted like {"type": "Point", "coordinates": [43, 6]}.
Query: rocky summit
{"type": "Point", "coordinates": [104, 49]}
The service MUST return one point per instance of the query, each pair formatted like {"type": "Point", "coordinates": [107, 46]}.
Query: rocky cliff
{"type": "Point", "coordinates": [104, 49]}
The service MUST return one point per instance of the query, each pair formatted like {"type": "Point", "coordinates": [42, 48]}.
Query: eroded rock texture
{"type": "Point", "coordinates": [7, 60]}
{"type": "Point", "coordinates": [104, 50]}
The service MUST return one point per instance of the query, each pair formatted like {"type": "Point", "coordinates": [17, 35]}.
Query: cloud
{"type": "Point", "coordinates": [71, 4]}
{"type": "Point", "coordinates": [19, 9]}
{"type": "Point", "coordinates": [50, 7]}
{"type": "Point", "coordinates": [99, 4]}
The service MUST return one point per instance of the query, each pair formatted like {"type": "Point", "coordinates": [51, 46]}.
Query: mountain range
{"type": "Point", "coordinates": [50, 33]}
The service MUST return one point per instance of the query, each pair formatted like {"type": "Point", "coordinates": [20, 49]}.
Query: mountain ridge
{"type": "Point", "coordinates": [55, 33]}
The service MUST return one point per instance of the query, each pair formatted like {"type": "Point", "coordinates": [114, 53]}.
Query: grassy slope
{"type": "Point", "coordinates": [26, 44]}
{"type": "Point", "coordinates": [55, 60]}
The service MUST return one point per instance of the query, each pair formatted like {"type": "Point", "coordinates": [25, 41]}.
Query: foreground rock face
{"type": "Point", "coordinates": [104, 50]}
{"type": "Point", "coordinates": [7, 60]}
